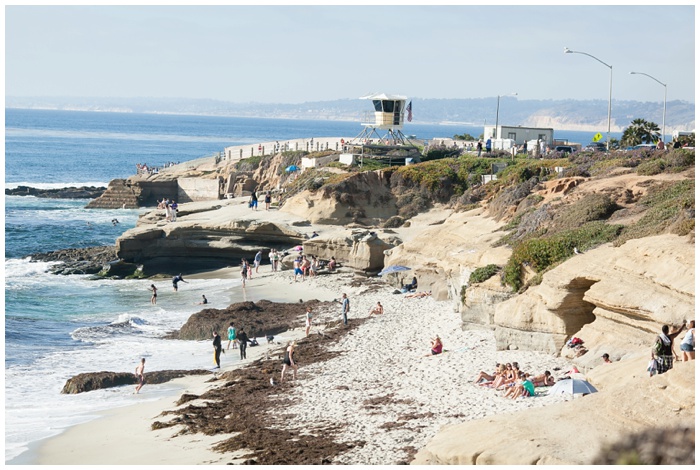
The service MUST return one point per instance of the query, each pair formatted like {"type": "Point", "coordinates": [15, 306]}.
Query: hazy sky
{"type": "Point", "coordinates": [293, 54]}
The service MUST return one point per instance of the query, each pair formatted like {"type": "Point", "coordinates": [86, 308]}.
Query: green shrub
{"type": "Point", "coordinates": [543, 252]}
{"type": "Point", "coordinates": [651, 167]}
{"type": "Point", "coordinates": [667, 204]}
{"type": "Point", "coordinates": [249, 164]}
{"type": "Point", "coordinates": [589, 208]}
{"type": "Point", "coordinates": [480, 275]}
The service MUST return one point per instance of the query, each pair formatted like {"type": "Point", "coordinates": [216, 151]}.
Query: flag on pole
{"type": "Point", "coordinates": [409, 111]}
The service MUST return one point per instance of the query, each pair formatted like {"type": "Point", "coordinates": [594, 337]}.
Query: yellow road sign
{"type": "Point", "coordinates": [597, 137]}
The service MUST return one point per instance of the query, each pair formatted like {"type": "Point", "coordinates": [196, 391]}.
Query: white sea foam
{"type": "Point", "coordinates": [34, 407]}
{"type": "Point", "coordinates": [102, 135]}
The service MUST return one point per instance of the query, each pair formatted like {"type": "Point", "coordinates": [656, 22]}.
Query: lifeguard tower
{"type": "Point", "coordinates": [388, 115]}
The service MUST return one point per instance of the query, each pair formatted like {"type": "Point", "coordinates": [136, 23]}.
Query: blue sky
{"type": "Point", "coordinates": [292, 54]}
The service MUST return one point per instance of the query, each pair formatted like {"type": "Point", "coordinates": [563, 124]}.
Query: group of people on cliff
{"type": "Point", "coordinates": [170, 207]}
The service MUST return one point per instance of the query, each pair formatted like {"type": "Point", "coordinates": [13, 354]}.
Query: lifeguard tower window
{"type": "Point", "coordinates": [388, 106]}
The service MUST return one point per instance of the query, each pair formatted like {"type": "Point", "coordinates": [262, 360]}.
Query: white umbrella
{"type": "Point", "coordinates": [572, 386]}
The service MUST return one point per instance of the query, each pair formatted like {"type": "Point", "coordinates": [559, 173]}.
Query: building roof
{"type": "Point", "coordinates": [382, 96]}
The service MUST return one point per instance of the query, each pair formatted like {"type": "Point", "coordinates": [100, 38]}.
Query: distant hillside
{"type": "Point", "coordinates": [583, 115]}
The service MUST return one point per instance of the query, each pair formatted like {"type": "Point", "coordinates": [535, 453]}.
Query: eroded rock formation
{"type": "Point", "coordinates": [97, 380]}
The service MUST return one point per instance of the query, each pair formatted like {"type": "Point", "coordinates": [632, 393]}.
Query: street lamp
{"type": "Point", "coordinates": [663, 132]}
{"type": "Point", "coordinates": [498, 105]}
{"type": "Point", "coordinates": [569, 51]}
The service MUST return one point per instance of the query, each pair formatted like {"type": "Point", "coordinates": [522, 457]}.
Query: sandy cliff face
{"type": "Point", "coordinates": [614, 298]}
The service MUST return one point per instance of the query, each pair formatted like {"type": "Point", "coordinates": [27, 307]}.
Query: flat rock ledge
{"type": "Point", "coordinates": [90, 260]}
{"type": "Point", "coordinates": [97, 380]}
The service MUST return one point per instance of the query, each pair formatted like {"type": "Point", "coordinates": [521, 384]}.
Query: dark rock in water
{"type": "Point", "coordinates": [257, 319]}
{"type": "Point", "coordinates": [98, 380]}
{"type": "Point", "coordinates": [78, 260]}
{"type": "Point", "coordinates": [83, 192]}
{"type": "Point", "coordinates": [120, 269]}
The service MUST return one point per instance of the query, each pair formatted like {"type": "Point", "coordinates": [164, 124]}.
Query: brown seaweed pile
{"type": "Point", "coordinates": [250, 407]}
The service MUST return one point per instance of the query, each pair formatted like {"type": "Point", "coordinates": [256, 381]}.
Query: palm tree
{"type": "Point", "coordinates": [641, 131]}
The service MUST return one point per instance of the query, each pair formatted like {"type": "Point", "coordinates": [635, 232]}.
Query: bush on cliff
{"type": "Point", "coordinates": [483, 273]}
{"type": "Point", "coordinates": [544, 252]}
{"type": "Point", "coordinates": [670, 207]}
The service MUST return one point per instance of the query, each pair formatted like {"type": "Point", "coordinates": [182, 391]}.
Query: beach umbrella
{"type": "Point", "coordinates": [572, 386]}
{"type": "Point", "coordinates": [393, 269]}
{"type": "Point", "coordinates": [291, 168]}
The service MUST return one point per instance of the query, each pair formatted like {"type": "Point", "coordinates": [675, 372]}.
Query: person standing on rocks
{"type": "Point", "coordinates": [177, 279]}
{"type": "Point", "coordinates": [139, 374]}
{"type": "Point", "coordinates": [154, 290]}
{"type": "Point", "coordinates": [663, 348]}
{"type": "Point", "coordinates": [242, 338]}
{"type": "Point", "coordinates": [217, 349]}
{"type": "Point", "coordinates": [346, 308]}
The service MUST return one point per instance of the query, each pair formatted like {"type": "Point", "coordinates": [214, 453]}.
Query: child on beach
{"type": "Point", "coordinates": [289, 361]}
{"type": "Point", "coordinates": [308, 320]}
{"type": "Point", "coordinates": [231, 336]}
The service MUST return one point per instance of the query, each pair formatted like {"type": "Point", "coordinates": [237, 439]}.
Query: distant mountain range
{"type": "Point", "coordinates": [583, 115]}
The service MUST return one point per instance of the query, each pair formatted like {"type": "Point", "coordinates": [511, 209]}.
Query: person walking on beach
{"type": "Point", "coordinates": [309, 316]}
{"type": "Point", "coordinates": [177, 279]}
{"type": "Point", "coordinates": [268, 200]}
{"type": "Point", "coordinates": [346, 308]}
{"type": "Point", "coordinates": [244, 272]}
{"type": "Point", "coordinates": [254, 200]}
{"type": "Point", "coordinates": [217, 349]}
{"type": "Point", "coordinates": [242, 338]}
{"type": "Point", "coordinates": [231, 336]}
{"type": "Point", "coordinates": [139, 375]}
{"type": "Point", "coordinates": [154, 290]}
{"type": "Point", "coordinates": [257, 260]}
{"type": "Point", "coordinates": [288, 361]}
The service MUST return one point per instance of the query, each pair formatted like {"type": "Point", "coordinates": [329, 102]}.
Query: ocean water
{"type": "Point", "coordinates": [58, 326]}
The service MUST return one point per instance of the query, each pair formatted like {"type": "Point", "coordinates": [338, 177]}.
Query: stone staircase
{"type": "Point", "coordinates": [118, 195]}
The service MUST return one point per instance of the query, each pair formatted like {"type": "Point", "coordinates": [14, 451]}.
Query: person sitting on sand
{"type": "Point", "coordinates": [435, 346]}
{"type": "Point", "coordinates": [413, 285]}
{"type": "Point", "coordinates": [523, 389]}
{"type": "Point", "coordinates": [506, 377]}
{"type": "Point", "coordinates": [419, 294]}
{"type": "Point", "coordinates": [377, 309]}
{"type": "Point", "coordinates": [543, 380]}
{"type": "Point", "coordinates": [497, 376]}
{"type": "Point", "coordinates": [486, 376]}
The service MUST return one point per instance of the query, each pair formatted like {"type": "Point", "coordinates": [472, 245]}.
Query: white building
{"type": "Point", "coordinates": [519, 134]}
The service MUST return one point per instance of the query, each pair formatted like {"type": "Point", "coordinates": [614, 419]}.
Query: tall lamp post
{"type": "Point", "coordinates": [663, 131]}
{"type": "Point", "coordinates": [498, 106]}
{"type": "Point", "coordinates": [569, 51]}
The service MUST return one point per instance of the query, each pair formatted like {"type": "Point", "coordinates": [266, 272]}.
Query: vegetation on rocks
{"type": "Point", "coordinates": [483, 273]}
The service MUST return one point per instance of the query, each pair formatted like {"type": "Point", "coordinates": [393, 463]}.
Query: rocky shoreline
{"type": "Point", "coordinates": [82, 192]}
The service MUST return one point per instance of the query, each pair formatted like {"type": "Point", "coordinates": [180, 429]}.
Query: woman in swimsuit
{"type": "Point", "coordinates": [155, 294]}
{"type": "Point", "coordinates": [289, 361]}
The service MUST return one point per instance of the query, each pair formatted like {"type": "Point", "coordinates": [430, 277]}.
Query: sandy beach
{"type": "Point", "coordinates": [380, 388]}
